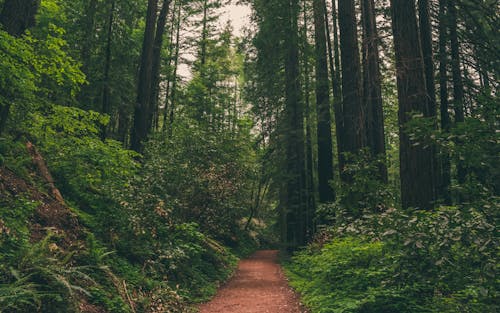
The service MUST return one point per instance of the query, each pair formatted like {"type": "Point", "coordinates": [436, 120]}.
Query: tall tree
{"type": "Point", "coordinates": [311, 185]}
{"type": "Point", "coordinates": [171, 98]}
{"type": "Point", "coordinates": [416, 165]}
{"type": "Point", "coordinates": [296, 229]}
{"type": "Point", "coordinates": [353, 131]}
{"type": "Point", "coordinates": [372, 90]}
{"type": "Point", "coordinates": [426, 43]}
{"type": "Point", "coordinates": [156, 66]}
{"type": "Point", "coordinates": [445, 179]}
{"type": "Point", "coordinates": [324, 130]}
{"type": "Point", "coordinates": [142, 111]}
{"type": "Point", "coordinates": [337, 90]}
{"type": "Point", "coordinates": [458, 87]}
{"type": "Point", "coordinates": [106, 105]}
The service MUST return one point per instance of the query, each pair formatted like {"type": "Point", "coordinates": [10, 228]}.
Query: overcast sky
{"type": "Point", "coordinates": [239, 15]}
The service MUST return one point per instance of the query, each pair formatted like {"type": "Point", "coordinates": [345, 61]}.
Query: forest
{"type": "Point", "coordinates": [146, 146]}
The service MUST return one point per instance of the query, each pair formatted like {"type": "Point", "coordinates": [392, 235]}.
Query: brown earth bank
{"type": "Point", "coordinates": [258, 286]}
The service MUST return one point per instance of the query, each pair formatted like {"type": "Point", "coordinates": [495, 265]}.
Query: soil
{"type": "Point", "coordinates": [258, 286]}
{"type": "Point", "coordinates": [50, 214]}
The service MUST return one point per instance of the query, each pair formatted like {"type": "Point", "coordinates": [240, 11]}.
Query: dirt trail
{"type": "Point", "coordinates": [258, 286]}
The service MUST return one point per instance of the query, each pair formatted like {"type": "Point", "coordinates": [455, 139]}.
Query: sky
{"type": "Point", "coordinates": [239, 15]}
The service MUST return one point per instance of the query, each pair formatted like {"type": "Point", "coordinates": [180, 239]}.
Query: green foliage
{"type": "Point", "coordinates": [86, 168]}
{"type": "Point", "coordinates": [472, 143]}
{"type": "Point", "coordinates": [33, 69]}
{"type": "Point", "coordinates": [365, 191]}
{"type": "Point", "coordinates": [48, 281]}
{"type": "Point", "coordinates": [17, 78]}
{"type": "Point", "coordinates": [344, 275]}
{"type": "Point", "coordinates": [442, 261]}
{"type": "Point", "coordinates": [13, 155]}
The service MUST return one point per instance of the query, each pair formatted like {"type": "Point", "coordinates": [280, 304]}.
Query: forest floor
{"type": "Point", "coordinates": [258, 286]}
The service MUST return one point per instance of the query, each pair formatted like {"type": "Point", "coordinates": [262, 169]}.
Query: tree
{"type": "Point", "coordinates": [353, 129]}
{"type": "Point", "coordinates": [142, 112]}
{"type": "Point", "coordinates": [296, 231]}
{"type": "Point", "coordinates": [324, 131]}
{"type": "Point", "coordinates": [372, 91]}
{"type": "Point", "coordinates": [445, 180]}
{"type": "Point", "coordinates": [416, 168]}
{"type": "Point", "coordinates": [458, 88]}
{"type": "Point", "coordinates": [18, 15]}
{"type": "Point", "coordinates": [309, 123]}
{"type": "Point", "coordinates": [106, 106]}
{"type": "Point", "coordinates": [156, 65]}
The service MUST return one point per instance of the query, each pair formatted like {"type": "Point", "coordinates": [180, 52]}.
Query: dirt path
{"type": "Point", "coordinates": [258, 286]}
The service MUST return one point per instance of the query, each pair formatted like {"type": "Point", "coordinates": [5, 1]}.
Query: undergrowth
{"type": "Point", "coordinates": [442, 261]}
{"type": "Point", "coordinates": [137, 254]}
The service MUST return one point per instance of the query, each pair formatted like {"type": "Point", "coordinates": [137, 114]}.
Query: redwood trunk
{"type": "Point", "coordinates": [141, 127]}
{"type": "Point", "coordinates": [324, 130]}
{"type": "Point", "coordinates": [353, 131]}
{"type": "Point", "coordinates": [416, 170]}
{"type": "Point", "coordinates": [372, 91]}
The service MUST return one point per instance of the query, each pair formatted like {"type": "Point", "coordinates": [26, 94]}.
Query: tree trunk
{"type": "Point", "coordinates": [445, 180]}
{"type": "Point", "coordinates": [18, 15]}
{"type": "Point", "coordinates": [337, 92]}
{"type": "Point", "coordinates": [310, 184]}
{"type": "Point", "coordinates": [416, 171]}
{"type": "Point", "coordinates": [168, 83]}
{"type": "Point", "coordinates": [353, 130]}
{"type": "Point", "coordinates": [372, 91]}
{"type": "Point", "coordinates": [44, 172]}
{"type": "Point", "coordinates": [106, 105]}
{"type": "Point", "coordinates": [140, 128]}
{"type": "Point", "coordinates": [155, 75]}
{"type": "Point", "coordinates": [324, 131]}
{"type": "Point", "coordinates": [174, 82]}
{"type": "Point", "coordinates": [426, 42]}
{"type": "Point", "coordinates": [89, 32]}
{"type": "Point", "coordinates": [297, 230]}
{"type": "Point", "coordinates": [458, 86]}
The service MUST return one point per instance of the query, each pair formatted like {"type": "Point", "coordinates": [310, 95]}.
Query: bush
{"type": "Point", "coordinates": [415, 261]}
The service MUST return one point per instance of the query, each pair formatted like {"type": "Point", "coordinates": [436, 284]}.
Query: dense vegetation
{"type": "Point", "coordinates": [360, 137]}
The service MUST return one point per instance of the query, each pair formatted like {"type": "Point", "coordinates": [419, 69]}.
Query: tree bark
{"type": "Point", "coordinates": [353, 130]}
{"type": "Point", "coordinates": [44, 172]}
{"type": "Point", "coordinates": [337, 91]}
{"type": "Point", "coordinates": [416, 171]}
{"type": "Point", "coordinates": [445, 180]}
{"type": "Point", "coordinates": [428, 57]}
{"type": "Point", "coordinates": [324, 130]}
{"type": "Point", "coordinates": [372, 91]}
{"type": "Point", "coordinates": [156, 66]}
{"type": "Point", "coordinates": [18, 15]}
{"type": "Point", "coordinates": [141, 128]}
{"type": "Point", "coordinates": [297, 230]}
{"type": "Point", "coordinates": [174, 82]}
{"type": "Point", "coordinates": [458, 87]}
{"type": "Point", "coordinates": [310, 183]}
{"type": "Point", "coordinates": [106, 105]}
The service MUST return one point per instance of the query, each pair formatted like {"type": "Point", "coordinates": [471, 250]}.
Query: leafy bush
{"type": "Point", "coordinates": [419, 261]}
{"type": "Point", "coordinates": [345, 275]}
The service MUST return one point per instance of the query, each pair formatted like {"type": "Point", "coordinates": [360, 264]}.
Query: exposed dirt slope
{"type": "Point", "coordinates": [258, 286]}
